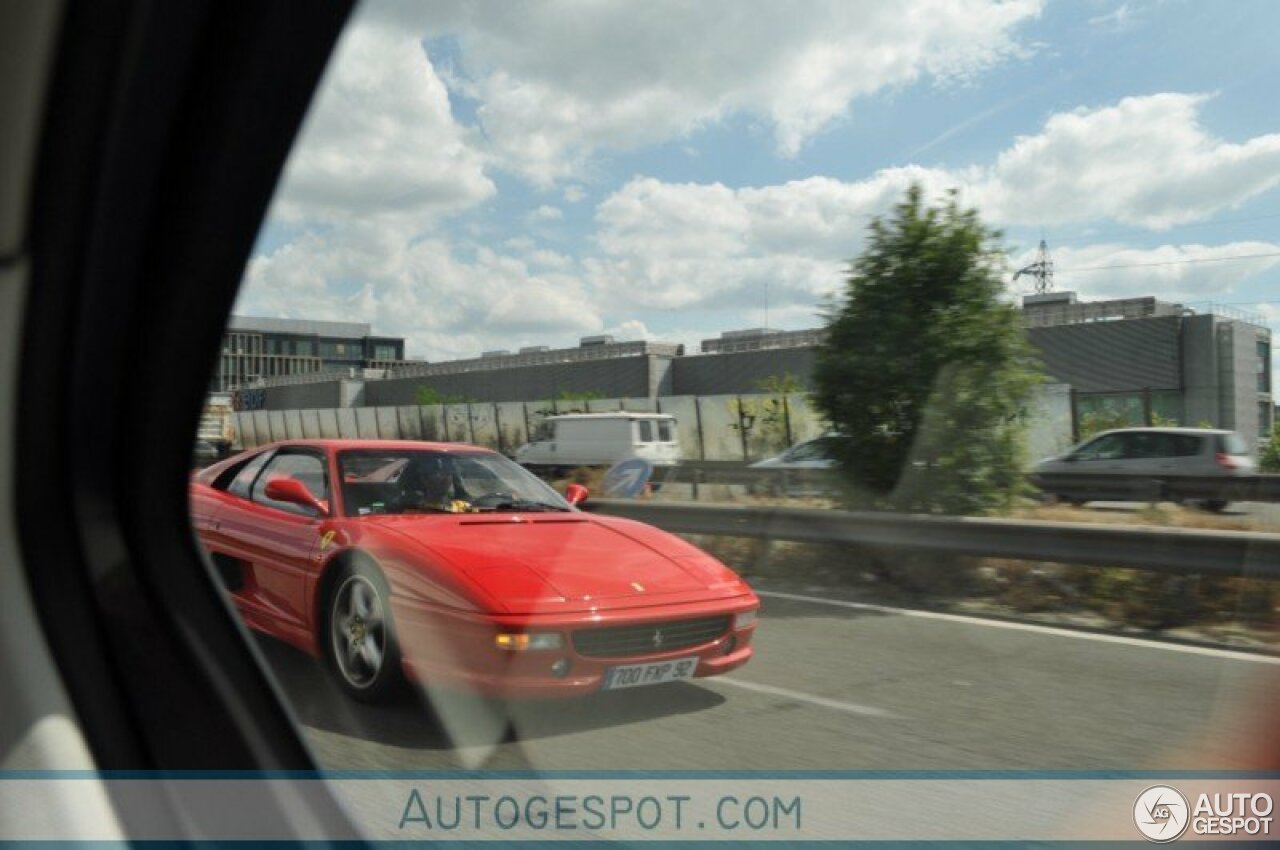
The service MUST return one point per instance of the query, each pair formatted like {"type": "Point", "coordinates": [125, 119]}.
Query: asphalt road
{"type": "Point", "coordinates": [845, 688]}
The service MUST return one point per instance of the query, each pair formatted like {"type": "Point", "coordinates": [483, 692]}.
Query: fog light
{"type": "Point", "coordinates": [730, 645]}
{"type": "Point", "coordinates": [744, 619]}
{"type": "Point", "coordinates": [560, 669]}
{"type": "Point", "coordinates": [525, 641]}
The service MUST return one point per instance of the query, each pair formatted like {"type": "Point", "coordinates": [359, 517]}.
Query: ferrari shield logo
{"type": "Point", "coordinates": [637, 586]}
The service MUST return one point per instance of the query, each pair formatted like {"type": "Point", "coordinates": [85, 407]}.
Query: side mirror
{"type": "Point", "coordinates": [293, 491]}
{"type": "Point", "coordinates": [576, 494]}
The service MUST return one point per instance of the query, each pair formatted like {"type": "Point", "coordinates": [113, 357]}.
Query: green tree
{"type": "Point", "coordinates": [1269, 459]}
{"type": "Point", "coordinates": [764, 423]}
{"type": "Point", "coordinates": [567, 394]}
{"type": "Point", "coordinates": [1096, 421]}
{"type": "Point", "coordinates": [925, 368]}
{"type": "Point", "coordinates": [430, 395]}
{"type": "Point", "coordinates": [784, 384]}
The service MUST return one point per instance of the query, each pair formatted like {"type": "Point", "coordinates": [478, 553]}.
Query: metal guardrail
{"type": "Point", "coordinates": [1245, 488]}
{"type": "Point", "coordinates": [1101, 487]}
{"type": "Point", "coordinates": [774, 480]}
{"type": "Point", "coordinates": [1172, 550]}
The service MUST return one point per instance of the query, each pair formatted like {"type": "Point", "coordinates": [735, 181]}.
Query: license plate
{"type": "Point", "coordinates": [635, 675]}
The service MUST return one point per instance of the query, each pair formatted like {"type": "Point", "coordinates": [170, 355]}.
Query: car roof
{"type": "Point", "coordinates": [1192, 431]}
{"type": "Point", "coordinates": [373, 444]}
{"type": "Point", "coordinates": [617, 414]}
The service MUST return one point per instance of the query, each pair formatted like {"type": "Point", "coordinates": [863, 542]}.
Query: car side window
{"type": "Point", "coordinates": [1144, 446]}
{"type": "Point", "coordinates": [1232, 444]}
{"type": "Point", "coordinates": [807, 451]}
{"type": "Point", "coordinates": [306, 468]}
{"type": "Point", "coordinates": [1110, 447]}
{"type": "Point", "coordinates": [243, 479]}
{"type": "Point", "coordinates": [827, 447]}
{"type": "Point", "coordinates": [645, 428]}
{"type": "Point", "coordinates": [1185, 445]}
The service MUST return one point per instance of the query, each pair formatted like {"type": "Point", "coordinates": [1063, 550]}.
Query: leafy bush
{"type": "Point", "coordinates": [1269, 459]}
{"type": "Point", "coordinates": [926, 369]}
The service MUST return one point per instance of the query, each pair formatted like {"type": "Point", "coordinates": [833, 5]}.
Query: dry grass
{"type": "Point", "coordinates": [1163, 514]}
{"type": "Point", "coordinates": [1242, 612]}
{"type": "Point", "coordinates": [588, 476]}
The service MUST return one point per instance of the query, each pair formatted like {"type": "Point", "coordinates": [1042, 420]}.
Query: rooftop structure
{"type": "Point", "coordinates": [759, 339]}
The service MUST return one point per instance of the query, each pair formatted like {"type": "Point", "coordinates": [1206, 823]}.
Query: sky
{"type": "Point", "coordinates": [480, 176]}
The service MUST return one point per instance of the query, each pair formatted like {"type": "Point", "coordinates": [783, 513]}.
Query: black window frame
{"type": "Point", "coordinates": [227, 479]}
{"type": "Point", "coordinates": [288, 507]}
{"type": "Point", "coordinates": [165, 129]}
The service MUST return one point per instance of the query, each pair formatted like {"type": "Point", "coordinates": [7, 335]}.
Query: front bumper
{"type": "Point", "coordinates": [452, 649]}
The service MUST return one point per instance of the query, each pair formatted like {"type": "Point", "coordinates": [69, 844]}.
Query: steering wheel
{"type": "Point", "coordinates": [492, 500]}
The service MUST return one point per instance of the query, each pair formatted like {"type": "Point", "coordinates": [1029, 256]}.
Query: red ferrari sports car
{"type": "Point", "coordinates": [451, 565]}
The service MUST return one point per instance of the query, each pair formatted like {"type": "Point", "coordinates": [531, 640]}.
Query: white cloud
{"type": "Point", "coordinates": [1116, 20]}
{"type": "Point", "coordinates": [445, 306]}
{"type": "Point", "coordinates": [631, 330]}
{"type": "Point", "coordinates": [1146, 161]}
{"type": "Point", "coordinates": [555, 81]}
{"type": "Point", "coordinates": [543, 307]}
{"type": "Point", "coordinates": [545, 213]}
{"type": "Point", "coordinates": [678, 246]}
{"type": "Point", "coordinates": [1182, 273]}
{"type": "Point", "coordinates": [549, 259]}
{"type": "Point", "coordinates": [381, 137]}
{"type": "Point", "coordinates": [383, 158]}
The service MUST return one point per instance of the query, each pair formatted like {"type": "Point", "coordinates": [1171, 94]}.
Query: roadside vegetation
{"type": "Point", "coordinates": [1269, 457]}
{"type": "Point", "coordinates": [1236, 611]}
{"type": "Point", "coordinates": [925, 369]}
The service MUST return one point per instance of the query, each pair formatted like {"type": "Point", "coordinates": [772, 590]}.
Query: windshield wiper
{"type": "Point", "coordinates": [529, 505]}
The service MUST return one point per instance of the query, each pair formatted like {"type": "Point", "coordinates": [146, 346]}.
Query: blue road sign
{"type": "Point", "coordinates": [626, 479]}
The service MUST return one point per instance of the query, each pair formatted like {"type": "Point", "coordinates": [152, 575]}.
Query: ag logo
{"type": "Point", "coordinates": [1161, 813]}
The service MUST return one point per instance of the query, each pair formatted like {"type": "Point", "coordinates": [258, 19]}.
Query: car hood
{"type": "Point", "coordinates": [565, 560]}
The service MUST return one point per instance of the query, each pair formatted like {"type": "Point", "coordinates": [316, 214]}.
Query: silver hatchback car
{"type": "Point", "coordinates": [1149, 464]}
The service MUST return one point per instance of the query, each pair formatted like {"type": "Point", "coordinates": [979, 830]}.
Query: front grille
{"type": "Point", "coordinates": [621, 641]}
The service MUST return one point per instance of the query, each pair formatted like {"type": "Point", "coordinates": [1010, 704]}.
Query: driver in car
{"type": "Point", "coordinates": [429, 486]}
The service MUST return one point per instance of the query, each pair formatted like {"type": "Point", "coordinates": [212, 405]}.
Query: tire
{"type": "Point", "coordinates": [359, 636]}
{"type": "Point", "coordinates": [1216, 506]}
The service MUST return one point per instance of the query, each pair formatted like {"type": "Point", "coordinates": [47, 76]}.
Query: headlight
{"type": "Point", "coordinates": [746, 618]}
{"type": "Point", "coordinates": [524, 641]}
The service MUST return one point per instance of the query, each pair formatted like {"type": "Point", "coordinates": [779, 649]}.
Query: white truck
{"type": "Point", "coordinates": [601, 439]}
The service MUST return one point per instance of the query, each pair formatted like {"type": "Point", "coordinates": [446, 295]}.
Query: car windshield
{"type": "Point", "coordinates": [420, 481]}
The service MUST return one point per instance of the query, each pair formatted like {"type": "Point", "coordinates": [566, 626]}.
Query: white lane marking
{"type": "Point", "coordinates": [1026, 627]}
{"type": "Point", "coordinates": [799, 696]}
